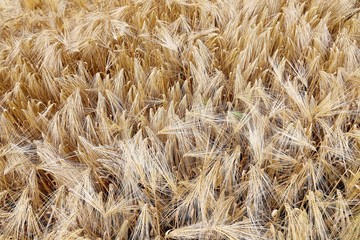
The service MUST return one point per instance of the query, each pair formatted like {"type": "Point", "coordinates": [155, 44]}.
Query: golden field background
{"type": "Point", "coordinates": [179, 119]}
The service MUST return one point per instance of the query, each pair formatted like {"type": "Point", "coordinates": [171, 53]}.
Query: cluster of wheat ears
{"type": "Point", "coordinates": [179, 119]}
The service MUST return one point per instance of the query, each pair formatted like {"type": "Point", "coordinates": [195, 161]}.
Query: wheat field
{"type": "Point", "coordinates": [180, 119]}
